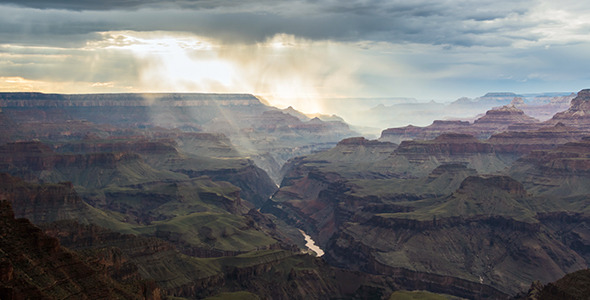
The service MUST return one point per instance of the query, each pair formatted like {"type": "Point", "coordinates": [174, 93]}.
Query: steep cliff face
{"type": "Point", "coordinates": [544, 138]}
{"type": "Point", "coordinates": [433, 231]}
{"type": "Point", "coordinates": [503, 116]}
{"type": "Point", "coordinates": [262, 133]}
{"type": "Point", "coordinates": [454, 249]}
{"type": "Point", "coordinates": [36, 161]}
{"type": "Point", "coordinates": [102, 100]}
{"type": "Point", "coordinates": [275, 120]}
{"type": "Point", "coordinates": [96, 164]}
{"type": "Point", "coordinates": [170, 110]}
{"type": "Point", "coordinates": [35, 156]}
{"type": "Point", "coordinates": [578, 115]}
{"type": "Point", "coordinates": [445, 144]}
{"type": "Point", "coordinates": [44, 203]}
{"type": "Point", "coordinates": [494, 121]}
{"type": "Point", "coordinates": [255, 184]}
{"type": "Point", "coordinates": [560, 171]}
{"type": "Point", "coordinates": [273, 274]}
{"type": "Point", "coordinates": [357, 150]}
{"type": "Point", "coordinates": [142, 146]}
{"type": "Point", "coordinates": [438, 127]}
{"type": "Point", "coordinates": [34, 265]}
{"type": "Point", "coordinates": [419, 158]}
{"type": "Point", "coordinates": [572, 286]}
{"type": "Point", "coordinates": [547, 108]}
{"type": "Point", "coordinates": [131, 259]}
{"type": "Point", "coordinates": [490, 214]}
{"type": "Point", "coordinates": [315, 205]}
{"type": "Point", "coordinates": [127, 257]}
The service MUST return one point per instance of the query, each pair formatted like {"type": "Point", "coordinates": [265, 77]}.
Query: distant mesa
{"type": "Point", "coordinates": [499, 95]}
{"type": "Point", "coordinates": [510, 117]}
{"type": "Point", "coordinates": [505, 114]}
{"type": "Point", "coordinates": [494, 121]}
{"type": "Point", "coordinates": [578, 115]}
{"type": "Point", "coordinates": [125, 99]}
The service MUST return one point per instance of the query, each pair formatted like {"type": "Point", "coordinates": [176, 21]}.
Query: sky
{"type": "Point", "coordinates": [298, 51]}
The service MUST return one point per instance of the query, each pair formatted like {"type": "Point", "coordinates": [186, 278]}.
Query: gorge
{"type": "Point", "coordinates": [202, 195]}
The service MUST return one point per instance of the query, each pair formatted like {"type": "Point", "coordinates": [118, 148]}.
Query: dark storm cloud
{"type": "Point", "coordinates": [118, 4]}
{"type": "Point", "coordinates": [430, 22]}
{"type": "Point", "coordinates": [412, 43]}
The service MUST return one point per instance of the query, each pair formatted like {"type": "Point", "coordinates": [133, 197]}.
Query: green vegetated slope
{"type": "Point", "coordinates": [452, 206]}
{"type": "Point", "coordinates": [182, 201]}
{"type": "Point", "coordinates": [221, 240]}
{"type": "Point", "coordinates": [269, 274]}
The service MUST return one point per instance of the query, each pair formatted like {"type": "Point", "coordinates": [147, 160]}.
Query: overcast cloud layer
{"type": "Point", "coordinates": [425, 49]}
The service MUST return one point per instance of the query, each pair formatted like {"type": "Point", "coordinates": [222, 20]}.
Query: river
{"type": "Point", "coordinates": [310, 244]}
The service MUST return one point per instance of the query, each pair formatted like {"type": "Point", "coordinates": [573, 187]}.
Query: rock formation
{"type": "Point", "coordinates": [578, 115]}
{"type": "Point", "coordinates": [35, 266]}
{"type": "Point", "coordinates": [494, 121]}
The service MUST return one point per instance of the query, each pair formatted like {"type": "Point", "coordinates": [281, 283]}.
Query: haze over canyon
{"type": "Point", "coordinates": [255, 149]}
{"type": "Point", "coordinates": [198, 195]}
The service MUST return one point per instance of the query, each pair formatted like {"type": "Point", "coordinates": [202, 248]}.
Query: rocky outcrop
{"type": "Point", "coordinates": [573, 286]}
{"type": "Point", "coordinates": [141, 146]}
{"type": "Point", "coordinates": [275, 120]}
{"type": "Point", "coordinates": [547, 107]}
{"type": "Point", "coordinates": [502, 116]}
{"type": "Point", "coordinates": [429, 235]}
{"type": "Point", "coordinates": [490, 155]}
{"type": "Point", "coordinates": [570, 158]}
{"type": "Point", "coordinates": [361, 141]}
{"type": "Point", "coordinates": [183, 110]}
{"type": "Point", "coordinates": [494, 121]}
{"type": "Point", "coordinates": [294, 275]}
{"type": "Point", "coordinates": [356, 150]}
{"type": "Point", "coordinates": [445, 144]}
{"type": "Point", "coordinates": [544, 138]}
{"type": "Point", "coordinates": [35, 266]}
{"type": "Point", "coordinates": [22, 100]}
{"type": "Point", "coordinates": [419, 158]}
{"type": "Point", "coordinates": [35, 156]}
{"type": "Point", "coordinates": [559, 171]}
{"type": "Point", "coordinates": [578, 115]}
{"type": "Point", "coordinates": [256, 186]}
{"type": "Point", "coordinates": [448, 249]}
{"type": "Point", "coordinates": [129, 258]}
{"type": "Point", "coordinates": [438, 127]}
{"type": "Point", "coordinates": [141, 121]}
{"type": "Point", "coordinates": [43, 203]}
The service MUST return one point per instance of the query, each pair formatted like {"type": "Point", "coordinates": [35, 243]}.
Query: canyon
{"type": "Point", "coordinates": [153, 196]}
